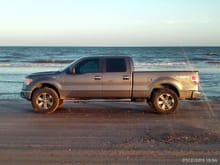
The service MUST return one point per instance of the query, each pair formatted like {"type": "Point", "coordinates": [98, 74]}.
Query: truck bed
{"type": "Point", "coordinates": [145, 81]}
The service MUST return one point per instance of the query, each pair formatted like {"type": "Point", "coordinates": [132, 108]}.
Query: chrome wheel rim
{"type": "Point", "coordinates": [166, 101]}
{"type": "Point", "coordinates": [45, 101]}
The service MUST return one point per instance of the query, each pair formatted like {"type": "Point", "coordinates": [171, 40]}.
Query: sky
{"type": "Point", "coordinates": [109, 23]}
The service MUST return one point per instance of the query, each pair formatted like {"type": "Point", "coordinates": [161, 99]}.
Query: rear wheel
{"type": "Point", "coordinates": [164, 101]}
{"type": "Point", "coordinates": [45, 100]}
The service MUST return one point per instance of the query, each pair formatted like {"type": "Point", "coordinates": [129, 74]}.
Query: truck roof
{"type": "Point", "coordinates": [108, 56]}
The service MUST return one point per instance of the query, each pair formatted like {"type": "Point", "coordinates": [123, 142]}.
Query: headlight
{"type": "Point", "coordinates": [28, 81]}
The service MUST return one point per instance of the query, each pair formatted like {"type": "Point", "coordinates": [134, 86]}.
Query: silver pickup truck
{"type": "Point", "coordinates": [110, 78]}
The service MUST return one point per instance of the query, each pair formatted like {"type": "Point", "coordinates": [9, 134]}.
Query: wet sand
{"type": "Point", "coordinates": [109, 133]}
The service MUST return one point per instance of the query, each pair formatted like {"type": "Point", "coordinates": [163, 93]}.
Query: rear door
{"type": "Point", "coordinates": [116, 79]}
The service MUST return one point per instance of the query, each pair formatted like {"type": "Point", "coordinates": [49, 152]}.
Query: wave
{"type": "Point", "coordinates": [200, 59]}
{"type": "Point", "coordinates": [53, 61]}
{"type": "Point", "coordinates": [214, 62]}
{"type": "Point", "coordinates": [160, 63]}
{"type": "Point", "coordinates": [10, 96]}
{"type": "Point", "coordinates": [40, 61]}
{"type": "Point", "coordinates": [212, 54]}
{"type": "Point", "coordinates": [5, 60]}
{"type": "Point", "coordinates": [17, 93]}
{"type": "Point", "coordinates": [14, 82]}
{"type": "Point", "coordinates": [32, 65]}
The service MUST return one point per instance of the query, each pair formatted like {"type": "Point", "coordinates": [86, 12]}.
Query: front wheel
{"type": "Point", "coordinates": [45, 100]}
{"type": "Point", "coordinates": [164, 101]}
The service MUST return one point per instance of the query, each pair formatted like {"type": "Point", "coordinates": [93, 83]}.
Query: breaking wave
{"type": "Point", "coordinates": [160, 63]}
{"type": "Point", "coordinates": [53, 61]}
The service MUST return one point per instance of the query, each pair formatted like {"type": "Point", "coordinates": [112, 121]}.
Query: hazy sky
{"type": "Point", "coordinates": [110, 22]}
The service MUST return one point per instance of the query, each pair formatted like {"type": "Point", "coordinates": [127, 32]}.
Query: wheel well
{"type": "Point", "coordinates": [48, 86]}
{"type": "Point", "coordinates": [161, 86]}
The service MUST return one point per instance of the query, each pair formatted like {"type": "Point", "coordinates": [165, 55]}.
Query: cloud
{"type": "Point", "coordinates": [171, 21]}
{"type": "Point", "coordinates": [193, 20]}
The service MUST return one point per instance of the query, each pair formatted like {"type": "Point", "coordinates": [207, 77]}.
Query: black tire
{"type": "Point", "coordinates": [61, 102]}
{"type": "Point", "coordinates": [45, 100]}
{"type": "Point", "coordinates": [164, 101]}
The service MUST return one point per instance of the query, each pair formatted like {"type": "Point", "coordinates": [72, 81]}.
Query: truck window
{"type": "Point", "coordinates": [115, 65]}
{"type": "Point", "coordinates": [87, 66]}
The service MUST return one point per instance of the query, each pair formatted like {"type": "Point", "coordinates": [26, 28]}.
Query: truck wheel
{"type": "Point", "coordinates": [45, 100]}
{"type": "Point", "coordinates": [164, 101]}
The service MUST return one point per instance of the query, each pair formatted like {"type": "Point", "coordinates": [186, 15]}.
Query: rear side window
{"type": "Point", "coordinates": [115, 65]}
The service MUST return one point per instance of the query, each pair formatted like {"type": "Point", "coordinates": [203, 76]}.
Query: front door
{"type": "Point", "coordinates": [86, 82]}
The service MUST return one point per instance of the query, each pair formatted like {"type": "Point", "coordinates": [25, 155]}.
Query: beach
{"type": "Point", "coordinates": [109, 133]}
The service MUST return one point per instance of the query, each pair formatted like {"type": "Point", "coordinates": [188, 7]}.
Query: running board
{"type": "Point", "coordinates": [108, 100]}
{"type": "Point", "coordinates": [101, 100]}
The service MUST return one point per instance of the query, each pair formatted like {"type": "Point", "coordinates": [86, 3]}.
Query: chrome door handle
{"type": "Point", "coordinates": [126, 77]}
{"type": "Point", "coordinates": [97, 78]}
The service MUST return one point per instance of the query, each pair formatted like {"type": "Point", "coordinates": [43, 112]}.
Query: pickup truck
{"type": "Point", "coordinates": [110, 78]}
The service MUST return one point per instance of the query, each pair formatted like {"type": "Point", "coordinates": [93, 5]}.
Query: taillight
{"type": "Point", "coordinates": [195, 79]}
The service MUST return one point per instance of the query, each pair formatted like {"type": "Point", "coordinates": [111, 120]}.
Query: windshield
{"type": "Point", "coordinates": [66, 68]}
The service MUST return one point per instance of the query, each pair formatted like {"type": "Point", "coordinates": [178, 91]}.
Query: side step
{"type": "Point", "coordinates": [101, 100]}
{"type": "Point", "coordinates": [108, 100]}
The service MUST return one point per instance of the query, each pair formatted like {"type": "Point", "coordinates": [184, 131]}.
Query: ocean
{"type": "Point", "coordinates": [18, 62]}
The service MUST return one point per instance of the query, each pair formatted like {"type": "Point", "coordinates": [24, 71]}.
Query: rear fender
{"type": "Point", "coordinates": [165, 81]}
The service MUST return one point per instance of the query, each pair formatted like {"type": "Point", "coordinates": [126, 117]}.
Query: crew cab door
{"type": "Point", "coordinates": [116, 79]}
{"type": "Point", "coordinates": [86, 81]}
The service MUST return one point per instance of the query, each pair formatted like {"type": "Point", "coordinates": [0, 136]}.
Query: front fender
{"type": "Point", "coordinates": [51, 82]}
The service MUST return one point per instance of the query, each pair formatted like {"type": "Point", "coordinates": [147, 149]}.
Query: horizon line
{"type": "Point", "coordinates": [109, 46]}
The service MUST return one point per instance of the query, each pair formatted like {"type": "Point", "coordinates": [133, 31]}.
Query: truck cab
{"type": "Point", "coordinates": [99, 77]}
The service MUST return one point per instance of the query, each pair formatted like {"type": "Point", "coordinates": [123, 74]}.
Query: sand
{"type": "Point", "coordinates": [109, 133]}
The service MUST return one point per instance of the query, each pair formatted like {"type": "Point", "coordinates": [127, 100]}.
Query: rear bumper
{"type": "Point", "coordinates": [190, 95]}
{"type": "Point", "coordinates": [196, 95]}
{"type": "Point", "coordinates": [25, 94]}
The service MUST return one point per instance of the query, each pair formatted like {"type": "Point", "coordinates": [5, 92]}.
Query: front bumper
{"type": "Point", "coordinates": [196, 95]}
{"type": "Point", "coordinates": [26, 94]}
